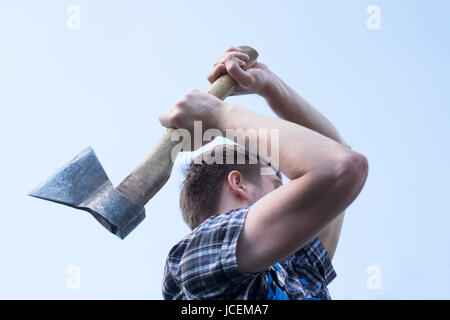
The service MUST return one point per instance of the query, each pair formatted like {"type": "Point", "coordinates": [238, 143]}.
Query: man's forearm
{"type": "Point", "coordinates": [290, 106]}
{"type": "Point", "coordinates": [306, 150]}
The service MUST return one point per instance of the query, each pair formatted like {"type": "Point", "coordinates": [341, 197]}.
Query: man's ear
{"type": "Point", "coordinates": [236, 185]}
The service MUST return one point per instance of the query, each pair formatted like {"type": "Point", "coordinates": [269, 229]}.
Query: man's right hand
{"type": "Point", "coordinates": [255, 80]}
{"type": "Point", "coordinates": [195, 106]}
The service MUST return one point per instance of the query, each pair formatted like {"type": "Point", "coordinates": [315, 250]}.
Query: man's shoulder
{"type": "Point", "coordinates": [206, 234]}
{"type": "Point", "coordinates": [203, 263]}
{"type": "Point", "coordinates": [230, 216]}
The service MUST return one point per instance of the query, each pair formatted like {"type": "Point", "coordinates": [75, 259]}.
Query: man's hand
{"type": "Point", "coordinates": [195, 106]}
{"type": "Point", "coordinates": [255, 80]}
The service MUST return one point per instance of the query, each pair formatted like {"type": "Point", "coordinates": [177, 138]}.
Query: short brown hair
{"type": "Point", "coordinates": [204, 179]}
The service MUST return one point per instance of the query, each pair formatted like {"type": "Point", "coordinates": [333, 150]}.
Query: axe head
{"type": "Point", "coordinates": [83, 184]}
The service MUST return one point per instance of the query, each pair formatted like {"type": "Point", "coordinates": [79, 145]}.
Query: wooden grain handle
{"type": "Point", "coordinates": [151, 175]}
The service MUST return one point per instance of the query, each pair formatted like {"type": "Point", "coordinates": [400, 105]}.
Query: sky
{"type": "Point", "coordinates": [102, 81]}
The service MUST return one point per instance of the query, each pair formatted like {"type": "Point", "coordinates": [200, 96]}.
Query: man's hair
{"type": "Point", "coordinates": [204, 178]}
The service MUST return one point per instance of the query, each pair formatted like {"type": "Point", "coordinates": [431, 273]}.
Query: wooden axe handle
{"type": "Point", "coordinates": [151, 175]}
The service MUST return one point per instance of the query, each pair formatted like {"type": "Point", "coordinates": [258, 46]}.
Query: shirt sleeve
{"type": "Point", "coordinates": [207, 266]}
{"type": "Point", "coordinates": [313, 264]}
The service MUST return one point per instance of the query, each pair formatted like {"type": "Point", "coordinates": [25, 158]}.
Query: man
{"type": "Point", "coordinates": [253, 237]}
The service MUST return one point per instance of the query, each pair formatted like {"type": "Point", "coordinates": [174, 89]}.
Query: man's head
{"type": "Point", "coordinates": [212, 187]}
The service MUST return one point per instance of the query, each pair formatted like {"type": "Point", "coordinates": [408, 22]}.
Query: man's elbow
{"type": "Point", "coordinates": [351, 170]}
{"type": "Point", "coordinates": [359, 167]}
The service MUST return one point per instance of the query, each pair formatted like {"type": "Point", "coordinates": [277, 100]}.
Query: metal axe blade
{"type": "Point", "coordinates": [83, 184]}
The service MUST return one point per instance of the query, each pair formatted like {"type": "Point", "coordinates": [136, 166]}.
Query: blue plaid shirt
{"type": "Point", "coordinates": [203, 266]}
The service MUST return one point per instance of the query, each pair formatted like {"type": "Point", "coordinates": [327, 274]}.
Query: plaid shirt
{"type": "Point", "coordinates": [203, 266]}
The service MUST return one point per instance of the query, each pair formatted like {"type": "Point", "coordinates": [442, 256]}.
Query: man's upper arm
{"type": "Point", "coordinates": [329, 236]}
{"type": "Point", "coordinates": [287, 218]}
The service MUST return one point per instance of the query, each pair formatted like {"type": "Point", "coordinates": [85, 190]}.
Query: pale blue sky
{"type": "Point", "coordinates": [61, 90]}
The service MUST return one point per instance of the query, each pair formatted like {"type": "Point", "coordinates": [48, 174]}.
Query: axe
{"type": "Point", "coordinates": [83, 184]}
